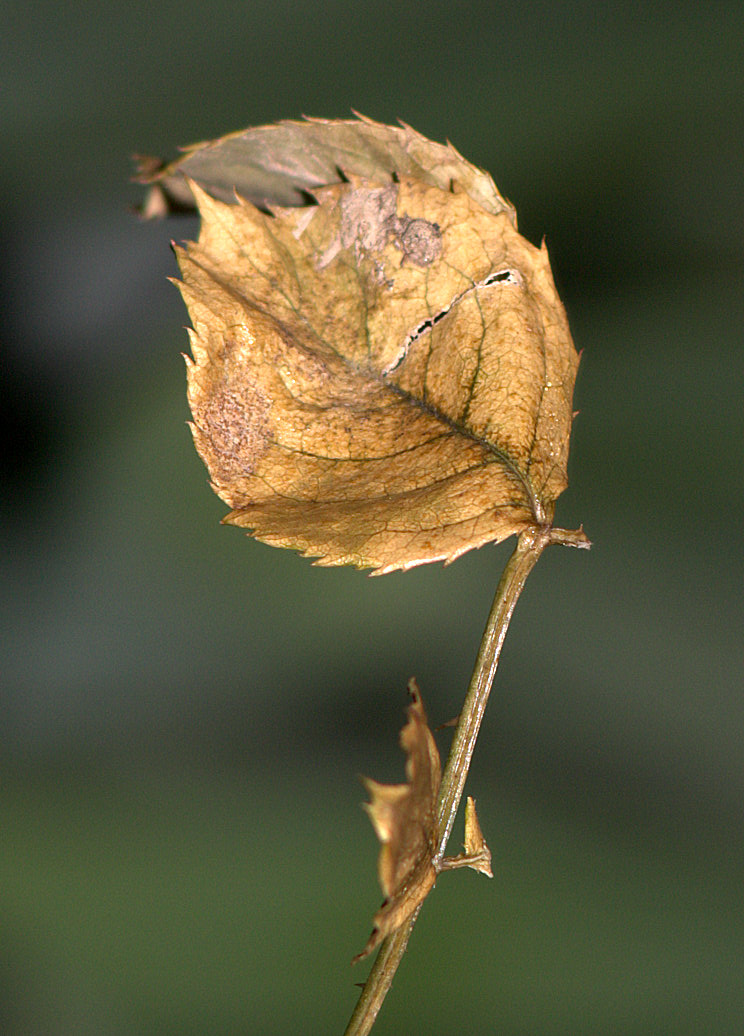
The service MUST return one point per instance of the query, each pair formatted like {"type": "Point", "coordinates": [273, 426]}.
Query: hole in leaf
{"type": "Point", "coordinates": [502, 277]}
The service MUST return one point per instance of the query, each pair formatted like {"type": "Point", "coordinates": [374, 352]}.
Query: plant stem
{"type": "Point", "coordinates": [530, 546]}
{"type": "Point", "coordinates": [528, 549]}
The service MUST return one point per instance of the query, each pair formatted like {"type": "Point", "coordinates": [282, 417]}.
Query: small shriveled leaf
{"type": "Point", "coordinates": [475, 844]}
{"type": "Point", "coordinates": [477, 855]}
{"type": "Point", "coordinates": [404, 819]}
{"type": "Point", "coordinates": [383, 378]}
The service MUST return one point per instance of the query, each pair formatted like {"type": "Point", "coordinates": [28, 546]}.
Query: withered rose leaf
{"type": "Point", "coordinates": [384, 377]}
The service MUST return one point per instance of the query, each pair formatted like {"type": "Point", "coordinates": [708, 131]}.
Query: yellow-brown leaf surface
{"type": "Point", "coordinates": [380, 379]}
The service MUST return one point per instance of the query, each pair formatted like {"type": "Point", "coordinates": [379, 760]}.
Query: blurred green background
{"type": "Point", "coordinates": [185, 712]}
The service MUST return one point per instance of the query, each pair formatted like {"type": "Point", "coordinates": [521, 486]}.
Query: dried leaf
{"type": "Point", "coordinates": [477, 855]}
{"type": "Point", "coordinates": [282, 163]}
{"type": "Point", "coordinates": [404, 819]}
{"type": "Point", "coordinates": [383, 378]}
{"type": "Point", "coordinates": [475, 843]}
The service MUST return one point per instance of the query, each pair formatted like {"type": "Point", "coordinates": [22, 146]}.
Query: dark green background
{"type": "Point", "coordinates": [185, 712]}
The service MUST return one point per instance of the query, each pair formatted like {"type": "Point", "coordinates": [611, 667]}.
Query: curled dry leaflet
{"type": "Point", "coordinates": [404, 817]}
{"type": "Point", "coordinates": [382, 370]}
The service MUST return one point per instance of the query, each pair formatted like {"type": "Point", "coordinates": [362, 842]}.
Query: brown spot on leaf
{"type": "Point", "coordinates": [235, 422]}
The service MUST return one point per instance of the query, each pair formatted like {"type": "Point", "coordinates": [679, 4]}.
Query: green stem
{"type": "Point", "coordinates": [530, 546]}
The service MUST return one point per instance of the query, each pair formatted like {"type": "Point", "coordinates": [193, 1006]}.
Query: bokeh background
{"type": "Point", "coordinates": [185, 712]}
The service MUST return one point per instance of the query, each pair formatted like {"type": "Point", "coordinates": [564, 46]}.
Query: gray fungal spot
{"type": "Point", "coordinates": [369, 221]}
{"type": "Point", "coordinates": [420, 241]}
{"type": "Point", "coordinates": [366, 217]}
